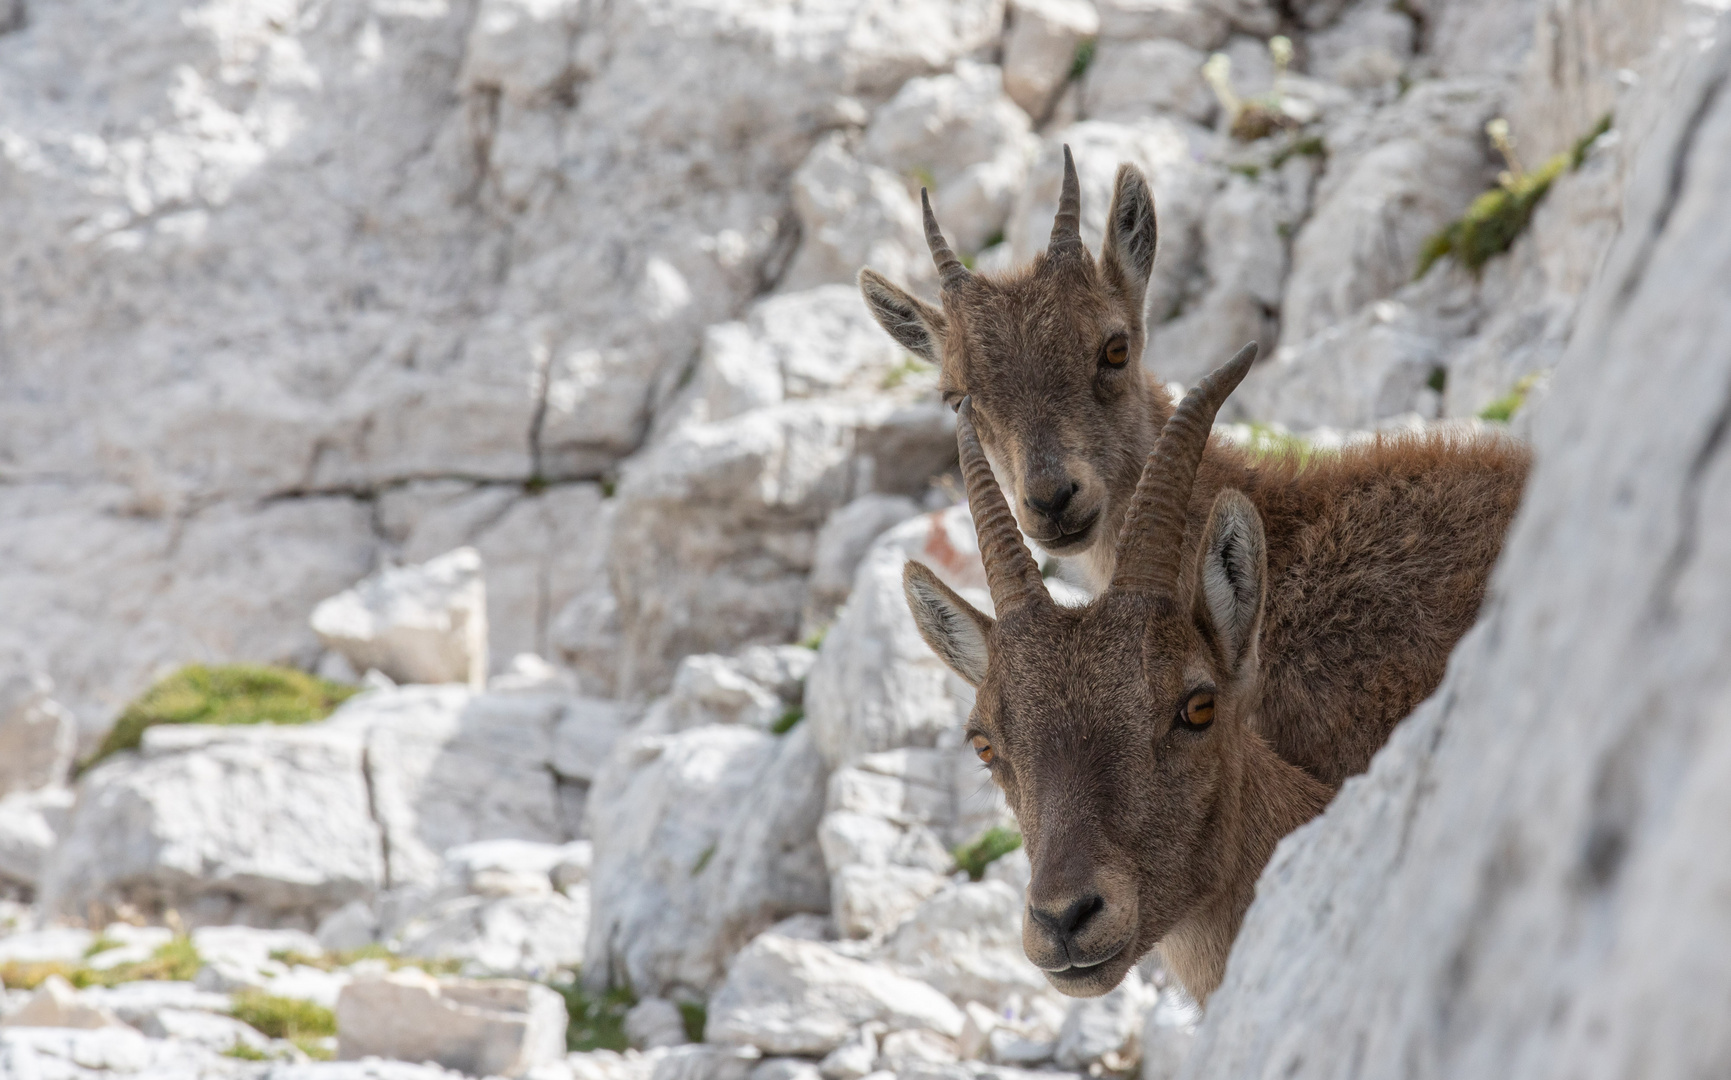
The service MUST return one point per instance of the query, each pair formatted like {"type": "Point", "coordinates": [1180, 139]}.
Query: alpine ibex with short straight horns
{"type": "Point", "coordinates": [1377, 555]}
{"type": "Point", "coordinates": [1123, 733]}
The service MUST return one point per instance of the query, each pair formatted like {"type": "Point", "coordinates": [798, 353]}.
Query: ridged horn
{"type": "Point", "coordinates": [951, 272]}
{"type": "Point", "coordinates": [1011, 573]}
{"type": "Point", "coordinates": [1149, 554]}
{"type": "Point", "coordinates": [1067, 225]}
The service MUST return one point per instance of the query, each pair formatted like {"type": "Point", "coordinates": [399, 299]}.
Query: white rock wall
{"type": "Point", "coordinates": [1531, 878]}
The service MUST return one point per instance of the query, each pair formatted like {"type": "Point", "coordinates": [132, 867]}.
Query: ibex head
{"type": "Point", "coordinates": [1050, 356]}
{"type": "Point", "coordinates": [1117, 730]}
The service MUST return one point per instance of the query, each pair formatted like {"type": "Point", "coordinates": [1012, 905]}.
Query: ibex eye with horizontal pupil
{"type": "Point", "coordinates": [982, 747]}
{"type": "Point", "coordinates": [1117, 352]}
{"type": "Point", "coordinates": [1198, 710]}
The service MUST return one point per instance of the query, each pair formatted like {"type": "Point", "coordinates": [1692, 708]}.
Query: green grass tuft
{"type": "Point", "coordinates": [1083, 58]}
{"type": "Point", "coordinates": [814, 640]}
{"type": "Point", "coordinates": [281, 1017]}
{"type": "Point", "coordinates": [696, 1017]}
{"type": "Point", "coordinates": [1503, 409]}
{"type": "Point", "coordinates": [985, 849]}
{"type": "Point", "coordinates": [100, 945]}
{"type": "Point", "coordinates": [245, 1053]}
{"type": "Point", "coordinates": [1439, 378]}
{"type": "Point", "coordinates": [788, 720]}
{"type": "Point", "coordinates": [331, 961]}
{"type": "Point", "coordinates": [174, 961]}
{"type": "Point", "coordinates": [595, 1023]}
{"type": "Point", "coordinates": [1274, 444]}
{"type": "Point", "coordinates": [703, 860]}
{"type": "Point", "coordinates": [1308, 146]}
{"type": "Point", "coordinates": [1496, 219]}
{"type": "Point", "coordinates": [225, 694]}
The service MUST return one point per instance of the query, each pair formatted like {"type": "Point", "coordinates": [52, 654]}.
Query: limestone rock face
{"type": "Point", "coordinates": [222, 824]}
{"type": "Point", "coordinates": [1532, 871]}
{"type": "Point", "coordinates": [496, 1027]}
{"type": "Point", "coordinates": [716, 524]}
{"type": "Point", "coordinates": [417, 624]}
{"type": "Point", "coordinates": [1391, 184]}
{"type": "Point", "coordinates": [702, 839]}
{"type": "Point", "coordinates": [447, 766]}
{"type": "Point", "coordinates": [787, 996]}
{"type": "Point", "coordinates": [1040, 49]}
{"type": "Point", "coordinates": [37, 734]}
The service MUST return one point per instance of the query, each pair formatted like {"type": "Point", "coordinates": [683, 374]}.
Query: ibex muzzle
{"type": "Point", "coordinates": [1120, 732]}
{"type": "Point", "coordinates": [1050, 357]}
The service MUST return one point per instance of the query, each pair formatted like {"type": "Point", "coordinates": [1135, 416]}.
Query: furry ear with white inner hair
{"type": "Point", "coordinates": [1233, 572]}
{"type": "Point", "coordinates": [954, 628]}
{"type": "Point", "coordinates": [916, 325]}
{"type": "Point", "coordinates": [1127, 256]}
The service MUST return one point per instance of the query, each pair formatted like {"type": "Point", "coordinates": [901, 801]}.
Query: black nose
{"type": "Point", "coordinates": [1069, 922]}
{"type": "Point", "coordinates": [1051, 503]}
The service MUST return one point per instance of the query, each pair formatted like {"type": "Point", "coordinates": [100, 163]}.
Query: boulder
{"type": "Point", "coordinates": [890, 823]}
{"type": "Point", "coordinates": [810, 343]}
{"type": "Point", "coordinates": [717, 523]}
{"type": "Point", "coordinates": [841, 544]}
{"type": "Point", "coordinates": [527, 936]}
{"type": "Point", "coordinates": [876, 684]}
{"type": "Point", "coordinates": [49, 944]}
{"type": "Point", "coordinates": [139, 1003]}
{"type": "Point", "coordinates": [585, 734]}
{"type": "Point", "coordinates": [223, 824]}
{"type": "Point", "coordinates": [702, 839]}
{"type": "Point", "coordinates": [959, 136]}
{"type": "Point", "coordinates": [78, 1054]}
{"type": "Point", "coordinates": [1168, 1030]}
{"type": "Point", "coordinates": [1195, 23]}
{"type": "Point", "coordinates": [1367, 49]}
{"type": "Point", "coordinates": [655, 1022]}
{"type": "Point", "coordinates": [210, 1030]}
{"type": "Point", "coordinates": [1130, 80]}
{"type": "Point", "coordinates": [1532, 870]}
{"type": "Point", "coordinates": [1106, 1031]}
{"type": "Point", "coordinates": [785, 996]}
{"type": "Point", "coordinates": [1393, 181]}
{"type": "Point", "coordinates": [56, 1004]}
{"type": "Point", "coordinates": [758, 688]}
{"type": "Point", "coordinates": [703, 1062]}
{"type": "Point", "coordinates": [30, 827]}
{"type": "Point", "coordinates": [851, 214]}
{"type": "Point", "coordinates": [38, 736]}
{"type": "Point", "coordinates": [483, 1028]}
{"type": "Point", "coordinates": [967, 941]}
{"type": "Point", "coordinates": [1040, 49]}
{"type": "Point", "coordinates": [417, 624]}
{"type": "Point", "coordinates": [447, 766]}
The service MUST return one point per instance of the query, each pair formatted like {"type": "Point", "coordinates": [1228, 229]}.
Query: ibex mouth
{"type": "Point", "coordinates": [1089, 980]}
{"type": "Point", "coordinates": [1067, 541]}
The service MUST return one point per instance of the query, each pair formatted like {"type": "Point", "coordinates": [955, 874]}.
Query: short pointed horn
{"type": "Point", "coordinates": [951, 272]}
{"type": "Point", "coordinates": [1011, 573]}
{"type": "Point", "coordinates": [1149, 554]}
{"type": "Point", "coordinates": [1067, 225]}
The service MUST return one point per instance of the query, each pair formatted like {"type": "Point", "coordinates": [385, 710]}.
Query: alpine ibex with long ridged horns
{"type": "Point", "coordinates": [1123, 733]}
{"type": "Point", "coordinates": [1377, 555]}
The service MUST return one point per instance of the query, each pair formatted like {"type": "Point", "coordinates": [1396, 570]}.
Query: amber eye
{"type": "Point", "coordinates": [1117, 352]}
{"type": "Point", "coordinates": [1198, 711]}
{"type": "Point", "coordinates": [982, 747]}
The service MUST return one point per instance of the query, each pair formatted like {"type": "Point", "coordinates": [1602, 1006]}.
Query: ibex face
{"type": "Point", "coordinates": [1118, 730]}
{"type": "Point", "coordinates": [1049, 358]}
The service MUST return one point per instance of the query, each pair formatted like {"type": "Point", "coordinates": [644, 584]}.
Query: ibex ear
{"type": "Point", "coordinates": [916, 325]}
{"type": "Point", "coordinates": [1233, 570]}
{"type": "Point", "coordinates": [950, 625]}
{"type": "Point", "coordinates": [1131, 236]}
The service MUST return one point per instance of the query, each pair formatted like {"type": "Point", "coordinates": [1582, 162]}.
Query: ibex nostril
{"type": "Point", "coordinates": [1069, 922]}
{"type": "Point", "coordinates": [1052, 503]}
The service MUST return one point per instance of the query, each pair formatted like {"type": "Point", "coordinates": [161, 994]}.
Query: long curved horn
{"type": "Point", "coordinates": [951, 272]}
{"type": "Point", "coordinates": [1149, 554]}
{"type": "Point", "coordinates": [1067, 225]}
{"type": "Point", "coordinates": [1011, 572]}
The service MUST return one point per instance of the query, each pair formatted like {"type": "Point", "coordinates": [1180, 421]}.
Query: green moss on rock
{"type": "Point", "coordinates": [225, 694]}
